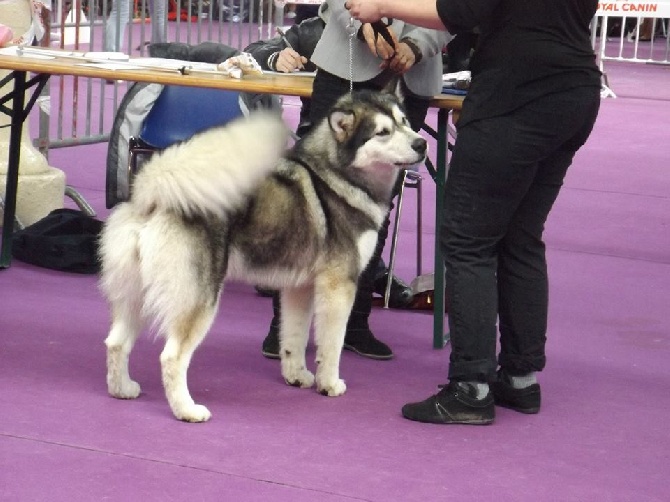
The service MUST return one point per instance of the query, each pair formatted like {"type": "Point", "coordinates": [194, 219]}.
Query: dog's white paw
{"type": "Point", "coordinates": [195, 413]}
{"type": "Point", "coordinates": [302, 378]}
{"type": "Point", "coordinates": [333, 388]}
{"type": "Point", "coordinates": [128, 389]}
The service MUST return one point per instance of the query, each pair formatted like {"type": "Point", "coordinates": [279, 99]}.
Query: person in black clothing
{"type": "Point", "coordinates": [305, 11]}
{"type": "Point", "coordinates": [532, 103]}
{"type": "Point", "coordinates": [276, 55]}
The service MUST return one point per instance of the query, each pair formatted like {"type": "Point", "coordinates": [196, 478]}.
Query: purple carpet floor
{"type": "Point", "coordinates": [600, 435]}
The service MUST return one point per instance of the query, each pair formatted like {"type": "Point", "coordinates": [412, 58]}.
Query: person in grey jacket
{"type": "Point", "coordinates": [417, 58]}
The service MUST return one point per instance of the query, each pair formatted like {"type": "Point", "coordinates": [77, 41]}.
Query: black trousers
{"type": "Point", "coordinates": [505, 175]}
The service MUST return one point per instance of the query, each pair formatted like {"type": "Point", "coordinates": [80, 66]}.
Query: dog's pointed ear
{"type": "Point", "coordinates": [342, 122]}
{"type": "Point", "coordinates": [394, 87]}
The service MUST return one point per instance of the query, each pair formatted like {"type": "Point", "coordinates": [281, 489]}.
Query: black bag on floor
{"type": "Point", "coordinates": [65, 239]}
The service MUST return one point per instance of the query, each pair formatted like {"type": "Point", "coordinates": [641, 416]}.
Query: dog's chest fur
{"type": "Point", "coordinates": [296, 222]}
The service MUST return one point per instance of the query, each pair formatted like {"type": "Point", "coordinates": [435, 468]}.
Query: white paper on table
{"type": "Point", "coordinates": [46, 53]}
{"type": "Point", "coordinates": [108, 65]}
{"type": "Point", "coordinates": [13, 51]}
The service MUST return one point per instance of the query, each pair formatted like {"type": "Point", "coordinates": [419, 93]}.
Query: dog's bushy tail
{"type": "Point", "coordinates": [214, 171]}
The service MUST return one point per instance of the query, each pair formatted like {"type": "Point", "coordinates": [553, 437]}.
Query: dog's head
{"type": "Point", "coordinates": [371, 127]}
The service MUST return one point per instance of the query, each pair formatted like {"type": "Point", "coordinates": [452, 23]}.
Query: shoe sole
{"type": "Point", "coordinates": [483, 421]}
{"type": "Point", "coordinates": [270, 355]}
{"type": "Point", "coordinates": [376, 357]}
{"type": "Point", "coordinates": [527, 411]}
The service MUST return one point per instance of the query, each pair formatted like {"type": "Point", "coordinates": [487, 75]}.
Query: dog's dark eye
{"type": "Point", "coordinates": [384, 132]}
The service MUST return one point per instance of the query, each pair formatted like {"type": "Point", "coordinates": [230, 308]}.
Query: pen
{"type": "Point", "coordinates": [283, 37]}
{"type": "Point", "coordinates": [288, 44]}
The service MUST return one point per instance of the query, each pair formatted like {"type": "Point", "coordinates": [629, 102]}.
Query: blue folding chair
{"type": "Point", "coordinates": [179, 113]}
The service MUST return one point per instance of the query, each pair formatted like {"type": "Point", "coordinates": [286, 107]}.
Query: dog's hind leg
{"type": "Point", "coordinates": [296, 316]}
{"type": "Point", "coordinates": [334, 298]}
{"type": "Point", "coordinates": [121, 283]}
{"type": "Point", "coordinates": [126, 327]}
{"type": "Point", "coordinates": [185, 332]}
{"type": "Point", "coordinates": [182, 285]}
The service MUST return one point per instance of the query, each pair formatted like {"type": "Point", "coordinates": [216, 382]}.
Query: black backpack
{"type": "Point", "coordinates": [65, 239]}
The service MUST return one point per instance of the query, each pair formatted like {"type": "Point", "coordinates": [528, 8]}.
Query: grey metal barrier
{"type": "Point", "coordinates": [75, 110]}
{"type": "Point", "coordinates": [631, 31]}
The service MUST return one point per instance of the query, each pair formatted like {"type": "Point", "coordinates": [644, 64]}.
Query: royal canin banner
{"type": "Point", "coordinates": [631, 8]}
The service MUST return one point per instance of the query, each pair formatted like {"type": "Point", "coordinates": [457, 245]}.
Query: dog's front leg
{"type": "Point", "coordinates": [333, 302]}
{"type": "Point", "coordinates": [296, 316]}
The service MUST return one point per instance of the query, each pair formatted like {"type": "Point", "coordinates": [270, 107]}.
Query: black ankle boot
{"type": "Point", "coordinates": [270, 348]}
{"type": "Point", "coordinates": [401, 294]}
{"type": "Point", "coordinates": [358, 338]}
{"type": "Point", "coordinates": [364, 343]}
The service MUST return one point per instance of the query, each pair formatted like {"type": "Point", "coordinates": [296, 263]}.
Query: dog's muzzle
{"type": "Point", "coordinates": [420, 146]}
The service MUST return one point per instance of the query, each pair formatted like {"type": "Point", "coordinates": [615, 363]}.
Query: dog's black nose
{"type": "Point", "coordinates": [420, 145]}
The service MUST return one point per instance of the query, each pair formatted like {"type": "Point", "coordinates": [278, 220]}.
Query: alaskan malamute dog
{"type": "Point", "coordinates": [229, 203]}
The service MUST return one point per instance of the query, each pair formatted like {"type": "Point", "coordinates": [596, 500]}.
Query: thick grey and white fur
{"type": "Point", "coordinates": [231, 203]}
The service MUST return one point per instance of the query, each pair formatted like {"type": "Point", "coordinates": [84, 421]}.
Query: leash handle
{"type": "Point", "coordinates": [382, 28]}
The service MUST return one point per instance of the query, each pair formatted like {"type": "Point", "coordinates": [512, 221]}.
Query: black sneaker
{"type": "Point", "coordinates": [526, 400]}
{"type": "Point", "coordinates": [364, 343]}
{"type": "Point", "coordinates": [270, 347]}
{"type": "Point", "coordinates": [456, 403]}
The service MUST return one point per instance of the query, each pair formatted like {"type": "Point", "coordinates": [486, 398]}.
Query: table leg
{"type": "Point", "coordinates": [13, 161]}
{"type": "Point", "coordinates": [18, 114]}
{"type": "Point", "coordinates": [440, 178]}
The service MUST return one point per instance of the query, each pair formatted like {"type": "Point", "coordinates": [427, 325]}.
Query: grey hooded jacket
{"type": "Point", "coordinates": [332, 52]}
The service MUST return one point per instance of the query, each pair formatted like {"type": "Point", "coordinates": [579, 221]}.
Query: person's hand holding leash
{"type": "Point", "coordinates": [378, 45]}
{"type": "Point", "coordinates": [403, 59]}
{"type": "Point", "coordinates": [366, 11]}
